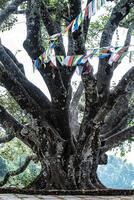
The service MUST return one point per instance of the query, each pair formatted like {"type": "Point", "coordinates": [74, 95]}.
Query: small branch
{"type": "Point", "coordinates": [6, 138]}
{"type": "Point", "coordinates": [11, 8]}
{"type": "Point", "coordinates": [118, 138]}
{"type": "Point", "coordinates": [122, 124]}
{"type": "Point", "coordinates": [18, 171]}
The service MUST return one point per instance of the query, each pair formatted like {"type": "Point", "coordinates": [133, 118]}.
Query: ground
{"type": "Point", "coordinates": [49, 197]}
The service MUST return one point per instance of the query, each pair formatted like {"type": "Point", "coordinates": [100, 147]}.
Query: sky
{"type": "Point", "coordinates": [13, 39]}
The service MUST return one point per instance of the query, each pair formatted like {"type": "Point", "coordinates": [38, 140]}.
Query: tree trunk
{"type": "Point", "coordinates": [77, 171]}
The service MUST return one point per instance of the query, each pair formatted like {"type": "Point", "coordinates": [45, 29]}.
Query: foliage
{"type": "Point", "coordinates": [117, 174]}
{"type": "Point", "coordinates": [10, 104]}
{"type": "Point", "coordinates": [3, 167]}
{"type": "Point", "coordinates": [3, 3]}
{"type": "Point", "coordinates": [96, 27]}
{"type": "Point", "coordinates": [23, 179]}
{"type": "Point", "coordinates": [8, 24]}
{"type": "Point", "coordinates": [128, 19]}
{"type": "Point", "coordinates": [15, 151]}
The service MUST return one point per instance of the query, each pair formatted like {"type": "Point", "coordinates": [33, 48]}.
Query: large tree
{"type": "Point", "coordinates": [69, 152]}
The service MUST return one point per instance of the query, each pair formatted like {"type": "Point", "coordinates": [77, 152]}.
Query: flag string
{"type": "Point", "coordinates": [86, 12]}
{"type": "Point", "coordinates": [114, 54]}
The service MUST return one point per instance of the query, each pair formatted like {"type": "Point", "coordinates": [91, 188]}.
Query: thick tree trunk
{"type": "Point", "coordinates": [78, 171]}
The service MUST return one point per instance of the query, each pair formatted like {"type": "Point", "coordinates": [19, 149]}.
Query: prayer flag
{"type": "Point", "coordinates": [68, 27]}
{"type": "Point", "coordinates": [77, 22]}
{"type": "Point", "coordinates": [68, 61]}
{"type": "Point", "coordinates": [60, 59]}
{"type": "Point", "coordinates": [76, 59]}
{"type": "Point", "coordinates": [116, 55]}
{"type": "Point", "coordinates": [93, 7]}
{"type": "Point", "coordinates": [55, 36]}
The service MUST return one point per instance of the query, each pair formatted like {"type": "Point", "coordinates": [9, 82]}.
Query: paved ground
{"type": "Point", "coordinates": [40, 197]}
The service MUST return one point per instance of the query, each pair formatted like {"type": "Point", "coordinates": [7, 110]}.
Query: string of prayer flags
{"type": "Point", "coordinates": [93, 7]}
{"type": "Point", "coordinates": [117, 54]}
{"type": "Point", "coordinates": [114, 54]}
{"type": "Point", "coordinates": [87, 11]}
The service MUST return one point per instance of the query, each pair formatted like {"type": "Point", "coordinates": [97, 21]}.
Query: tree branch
{"type": "Point", "coordinates": [10, 124]}
{"type": "Point", "coordinates": [117, 118]}
{"type": "Point", "coordinates": [20, 66]}
{"type": "Point", "coordinates": [19, 170]}
{"type": "Point", "coordinates": [20, 81]}
{"type": "Point", "coordinates": [77, 95]}
{"type": "Point", "coordinates": [119, 90]}
{"type": "Point", "coordinates": [32, 44]}
{"type": "Point", "coordinates": [11, 8]}
{"type": "Point", "coordinates": [19, 93]}
{"type": "Point", "coordinates": [74, 111]}
{"type": "Point", "coordinates": [118, 13]}
{"type": "Point", "coordinates": [52, 28]}
{"type": "Point", "coordinates": [118, 138]}
{"type": "Point", "coordinates": [6, 138]}
{"type": "Point", "coordinates": [105, 71]}
{"type": "Point", "coordinates": [89, 82]}
{"type": "Point", "coordinates": [78, 39]}
{"type": "Point", "coordinates": [121, 125]}
{"type": "Point", "coordinates": [129, 34]}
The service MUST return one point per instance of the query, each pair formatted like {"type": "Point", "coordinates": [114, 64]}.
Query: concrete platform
{"type": "Point", "coordinates": [59, 197]}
